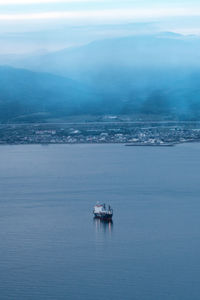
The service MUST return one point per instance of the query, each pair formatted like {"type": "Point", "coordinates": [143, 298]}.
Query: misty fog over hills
{"type": "Point", "coordinates": [146, 76]}
{"type": "Point", "coordinates": [31, 96]}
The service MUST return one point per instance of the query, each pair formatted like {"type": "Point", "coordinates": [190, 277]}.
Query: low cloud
{"type": "Point", "coordinates": [28, 2]}
{"type": "Point", "coordinates": [108, 15]}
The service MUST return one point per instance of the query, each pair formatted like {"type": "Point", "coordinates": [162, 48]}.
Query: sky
{"type": "Point", "coordinates": [28, 26]}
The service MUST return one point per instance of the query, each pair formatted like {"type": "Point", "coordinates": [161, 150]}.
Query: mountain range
{"type": "Point", "coordinates": [146, 76]}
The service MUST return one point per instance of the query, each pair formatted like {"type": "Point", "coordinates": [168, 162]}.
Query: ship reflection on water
{"type": "Point", "coordinates": [103, 225]}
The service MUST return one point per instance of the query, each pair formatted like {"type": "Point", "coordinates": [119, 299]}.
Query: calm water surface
{"type": "Point", "coordinates": [51, 248]}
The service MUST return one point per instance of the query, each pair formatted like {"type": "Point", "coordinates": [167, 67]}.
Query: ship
{"type": "Point", "coordinates": [102, 212]}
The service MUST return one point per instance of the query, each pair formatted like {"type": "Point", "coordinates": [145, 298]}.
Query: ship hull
{"type": "Point", "coordinates": [103, 216]}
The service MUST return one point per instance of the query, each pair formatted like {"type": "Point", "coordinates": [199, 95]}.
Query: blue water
{"type": "Point", "coordinates": [50, 246]}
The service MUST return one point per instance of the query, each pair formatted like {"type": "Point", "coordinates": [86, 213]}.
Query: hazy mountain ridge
{"type": "Point", "coordinates": [26, 93]}
{"type": "Point", "coordinates": [143, 51]}
{"type": "Point", "coordinates": [147, 75]}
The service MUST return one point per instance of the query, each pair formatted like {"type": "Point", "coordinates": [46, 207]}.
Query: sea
{"type": "Point", "coordinates": [51, 248]}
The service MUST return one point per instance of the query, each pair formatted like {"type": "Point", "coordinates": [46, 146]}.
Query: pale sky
{"type": "Point", "coordinates": [32, 25]}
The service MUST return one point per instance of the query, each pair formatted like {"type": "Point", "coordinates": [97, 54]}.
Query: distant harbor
{"type": "Point", "coordinates": [151, 144]}
{"type": "Point", "coordinates": [160, 134]}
